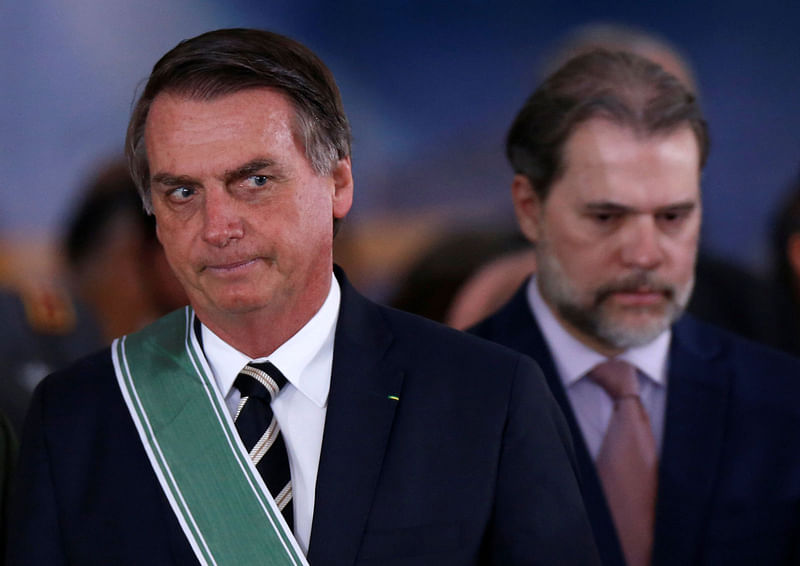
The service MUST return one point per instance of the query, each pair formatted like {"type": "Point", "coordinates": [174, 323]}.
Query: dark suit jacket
{"type": "Point", "coordinates": [473, 465]}
{"type": "Point", "coordinates": [729, 474]}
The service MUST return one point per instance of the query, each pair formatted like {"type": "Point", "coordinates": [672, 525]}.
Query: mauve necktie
{"type": "Point", "coordinates": [258, 428]}
{"type": "Point", "coordinates": [627, 462]}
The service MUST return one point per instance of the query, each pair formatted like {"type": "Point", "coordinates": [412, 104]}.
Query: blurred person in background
{"type": "Point", "coordinates": [42, 328]}
{"type": "Point", "coordinates": [718, 282]}
{"type": "Point", "coordinates": [430, 283]}
{"type": "Point", "coordinates": [786, 268]}
{"type": "Point", "coordinates": [489, 287]}
{"type": "Point", "coordinates": [680, 426]}
{"type": "Point", "coordinates": [616, 36]}
{"type": "Point", "coordinates": [115, 263]}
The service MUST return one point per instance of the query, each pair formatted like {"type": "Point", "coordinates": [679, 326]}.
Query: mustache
{"type": "Point", "coordinates": [637, 281]}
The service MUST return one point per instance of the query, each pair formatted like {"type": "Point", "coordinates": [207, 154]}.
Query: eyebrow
{"type": "Point", "coordinates": [687, 206]}
{"type": "Point", "coordinates": [609, 206]}
{"type": "Point", "coordinates": [245, 170]}
{"type": "Point", "coordinates": [172, 180]}
{"type": "Point", "coordinates": [250, 168]}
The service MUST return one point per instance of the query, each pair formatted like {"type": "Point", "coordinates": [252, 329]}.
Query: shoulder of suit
{"type": "Point", "coordinates": [743, 355]}
{"type": "Point", "coordinates": [413, 328]}
{"type": "Point", "coordinates": [87, 376]}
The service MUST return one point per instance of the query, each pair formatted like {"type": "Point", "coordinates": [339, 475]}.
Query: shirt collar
{"type": "Point", "coordinates": [305, 359]}
{"type": "Point", "coordinates": [573, 359]}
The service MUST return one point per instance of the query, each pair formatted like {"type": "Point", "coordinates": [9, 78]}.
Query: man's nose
{"type": "Point", "coordinates": [222, 222]}
{"type": "Point", "coordinates": [642, 246]}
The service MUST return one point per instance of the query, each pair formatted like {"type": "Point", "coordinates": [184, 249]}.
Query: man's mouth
{"type": "Point", "coordinates": [641, 297]}
{"type": "Point", "coordinates": [636, 291]}
{"type": "Point", "coordinates": [232, 267]}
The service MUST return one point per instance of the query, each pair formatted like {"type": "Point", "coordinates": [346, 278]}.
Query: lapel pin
{"type": "Point", "coordinates": [393, 397]}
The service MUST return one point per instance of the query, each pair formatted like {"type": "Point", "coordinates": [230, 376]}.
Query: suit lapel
{"type": "Point", "coordinates": [697, 403]}
{"type": "Point", "coordinates": [357, 426]}
{"type": "Point", "coordinates": [515, 326]}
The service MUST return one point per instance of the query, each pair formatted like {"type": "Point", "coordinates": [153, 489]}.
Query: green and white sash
{"type": "Point", "coordinates": [218, 496]}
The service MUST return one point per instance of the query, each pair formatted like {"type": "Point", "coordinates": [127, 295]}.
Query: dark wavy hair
{"type": "Point", "coordinates": [226, 61]}
{"type": "Point", "coordinates": [621, 87]}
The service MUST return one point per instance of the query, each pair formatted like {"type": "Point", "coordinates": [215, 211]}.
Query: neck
{"type": "Point", "coordinates": [259, 333]}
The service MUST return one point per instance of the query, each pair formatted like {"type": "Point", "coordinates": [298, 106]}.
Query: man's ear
{"type": "Point", "coordinates": [527, 205]}
{"type": "Point", "coordinates": [342, 188]}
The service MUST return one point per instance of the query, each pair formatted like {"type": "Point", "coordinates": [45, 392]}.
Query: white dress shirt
{"type": "Point", "coordinates": [590, 403]}
{"type": "Point", "coordinates": [306, 360]}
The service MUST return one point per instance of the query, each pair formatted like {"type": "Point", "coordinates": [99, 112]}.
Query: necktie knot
{"type": "Point", "coordinates": [617, 377]}
{"type": "Point", "coordinates": [260, 380]}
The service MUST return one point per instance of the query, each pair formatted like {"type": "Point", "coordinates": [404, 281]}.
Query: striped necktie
{"type": "Point", "coordinates": [259, 384]}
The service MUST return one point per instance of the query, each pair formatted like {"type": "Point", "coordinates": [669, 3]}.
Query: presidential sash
{"type": "Point", "coordinates": [219, 498]}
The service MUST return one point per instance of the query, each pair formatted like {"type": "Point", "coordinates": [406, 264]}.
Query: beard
{"type": "Point", "coordinates": [593, 314]}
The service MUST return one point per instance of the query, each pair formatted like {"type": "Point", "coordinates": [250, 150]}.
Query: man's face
{"type": "Point", "coordinates": [617, 236]}
{"type": "Point", "coordinates": [245, 221]}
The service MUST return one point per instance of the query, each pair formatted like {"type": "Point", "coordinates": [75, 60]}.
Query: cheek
{"type": "Point", "coordinates": [682, 252]}
{"type": "Point", "coordinates": [315, 210]}
{"type": "Point", "coordinates": [174, 243]}
{"type": "Point", "coordinates": [684, 259]}
{"type": "Point", "coordinates": [586, 262]}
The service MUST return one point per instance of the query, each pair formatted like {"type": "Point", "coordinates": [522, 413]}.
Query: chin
{"type": "Point", "coordinates": [243, 306]}
{"type": "Point", "coordinates": [633, 331]}
{"type": "Point", "coordinates": [236, 303]}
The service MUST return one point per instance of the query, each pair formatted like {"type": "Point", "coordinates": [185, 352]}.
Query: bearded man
{"type": "Point", "coordinates": [686, 435]}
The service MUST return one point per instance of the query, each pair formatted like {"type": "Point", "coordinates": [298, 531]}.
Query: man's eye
{"type": "Point", "coordinates": [673, 221]}
{"type": "Point", "coordinates": [605, 217]}
{"type": "Point", "coordinates": [181, 193]}
{"type": "Point", "coordinates": [259, 180]}
{"type": "Point", "coordinates": [674, 216]}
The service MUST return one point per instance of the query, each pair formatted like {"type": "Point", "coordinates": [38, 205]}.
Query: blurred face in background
{"type": "Point", "coordinates": [616, 237]}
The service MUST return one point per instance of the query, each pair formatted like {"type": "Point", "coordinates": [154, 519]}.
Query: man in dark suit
{"type": "Point", "coordinates": [384, 438]}
{"type": "Point", "coordinates": [685, 434]}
